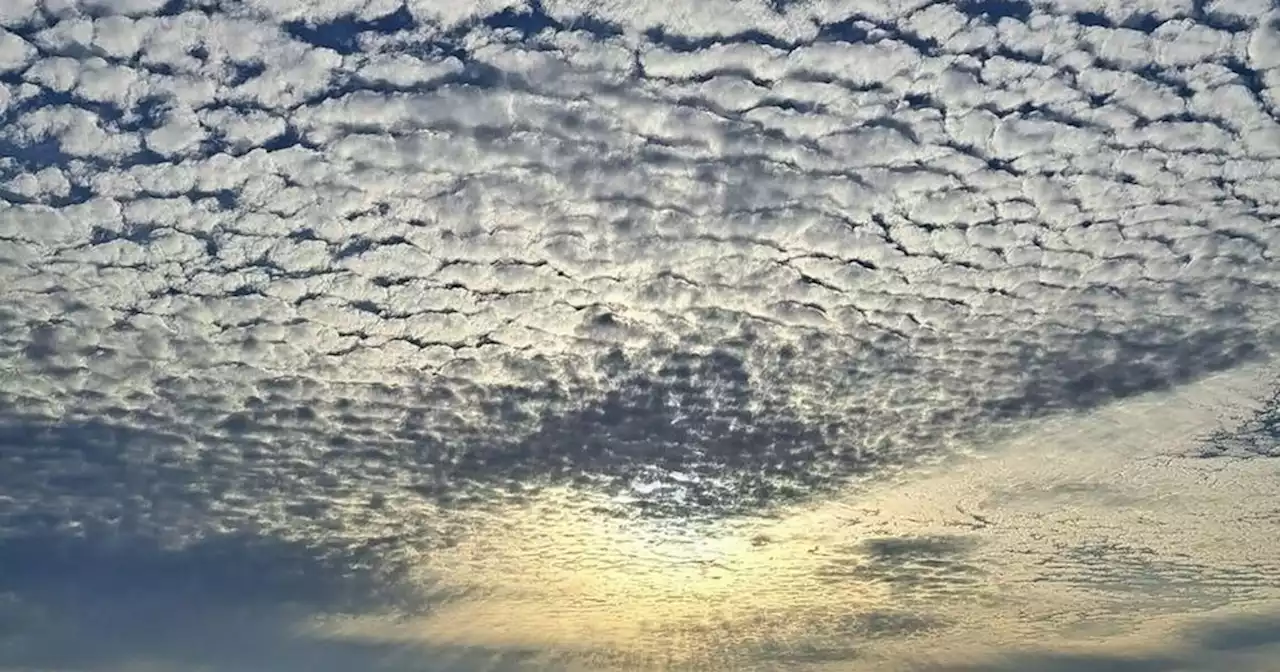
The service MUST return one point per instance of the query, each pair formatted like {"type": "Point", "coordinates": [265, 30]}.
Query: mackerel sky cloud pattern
{"type": "Point", "coordinates": [363, 317]}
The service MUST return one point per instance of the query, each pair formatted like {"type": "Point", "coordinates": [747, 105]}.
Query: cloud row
{"type": "Point", "coordinates": [324, 270]}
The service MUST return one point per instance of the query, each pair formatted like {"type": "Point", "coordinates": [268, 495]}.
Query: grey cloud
{"type": "Point", "coordinates": [98, 601]}
{"type": "Point", "coordinates": [894, 549]}
{"type": "Point", "coordinates": [1207, 647]}
{"type": "Point", "coordinates": [919, 571]}
{"type": "Point", "coordinates": [1242, 633]}
{"type": "Point", "coordinates": [1115, 571]}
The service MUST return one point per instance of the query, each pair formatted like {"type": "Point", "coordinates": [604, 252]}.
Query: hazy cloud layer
{"type": "Point", "coordinates": [334, 284]}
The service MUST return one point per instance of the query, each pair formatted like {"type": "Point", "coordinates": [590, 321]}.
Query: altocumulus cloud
{"type": "Point", "coordinates": [313, 287]}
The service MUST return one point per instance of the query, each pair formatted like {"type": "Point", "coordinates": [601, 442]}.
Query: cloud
{"type": "Point", "coordinates": [329, 273]}
{"type": "Point", "coordinates": [1230, 642]}
{"type": "Point", "coordinates": [1255, 435]}
{"type": "Point", "coordinates": [235, 601]}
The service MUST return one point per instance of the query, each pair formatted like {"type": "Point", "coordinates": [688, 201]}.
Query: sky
{"type": "Point", "coordinates": [684, 335]}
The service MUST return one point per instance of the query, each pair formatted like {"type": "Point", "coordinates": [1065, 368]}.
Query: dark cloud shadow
{"type": "Point", "coordinates": [1207, 649]}
{"type": "Point", "coordinates": [233, 602]}
{"type": "Point", "coordinates": [897, 549]}
{"type": "Point", "coordinates": [1094, 368]}
{"type": "Point", "coordinates": [1245, 632]}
